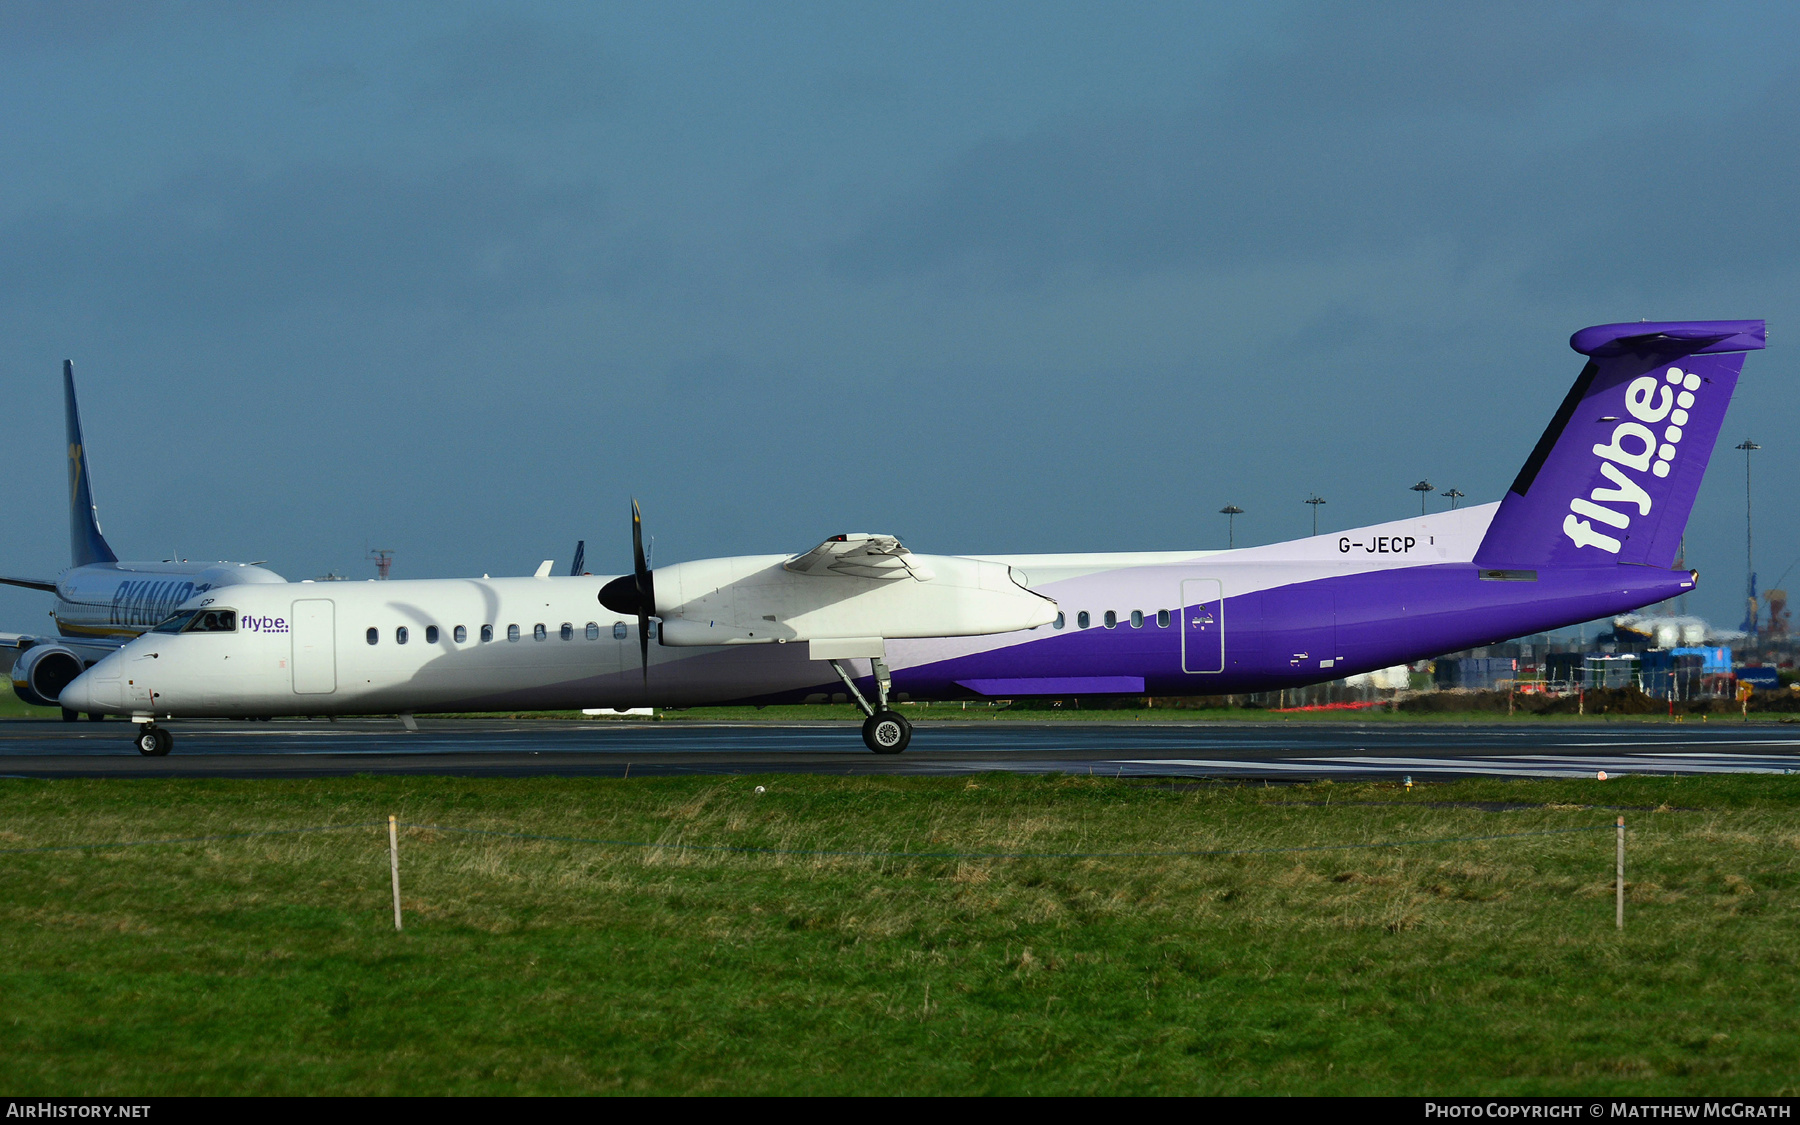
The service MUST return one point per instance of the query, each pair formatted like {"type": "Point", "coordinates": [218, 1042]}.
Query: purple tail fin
{"type": "Point", "coordinates": [1614, 476]}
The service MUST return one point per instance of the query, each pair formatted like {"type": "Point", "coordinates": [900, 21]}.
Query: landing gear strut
{"type": "Point", "coordinates": [884, 731]}
{"type": "Point", "coordinates": [152, 741]}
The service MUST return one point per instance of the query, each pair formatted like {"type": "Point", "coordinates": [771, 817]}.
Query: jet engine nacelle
{"type": "Point", "coordinates": [756, 600]}
{"type": "Point", "coordinates": [42, 672]}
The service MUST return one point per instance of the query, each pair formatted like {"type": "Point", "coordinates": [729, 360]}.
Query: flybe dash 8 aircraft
{"type": "Point", "coordinates": [1590, 527]}
{"type": "Point", "coordinates": [101, 603]}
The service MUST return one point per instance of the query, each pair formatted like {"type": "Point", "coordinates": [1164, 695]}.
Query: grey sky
{"type": "Point", "coordinates": [460, 279]}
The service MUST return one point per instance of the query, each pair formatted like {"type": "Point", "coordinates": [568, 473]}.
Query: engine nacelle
{"type": "Point", "coordinates": [757, 600]}
{"type": "Point", "coordinates": [43, 671]}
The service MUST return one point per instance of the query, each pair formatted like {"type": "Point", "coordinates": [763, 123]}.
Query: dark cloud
{"type": "Point", "coordinates": [1468, 129]}
{"type": "Point", "coordinates": [1416, 56]}
{"type": "Point", "coordinates": [321, 84]}
{"type": "Point", "coordinates": [57, 24]}
{"type": "Point", "coordinates": [841, 88]}
{"type": "Point", "coordinates": [222, 242]}
{"type": "Point", "coordinates": [519, 72]}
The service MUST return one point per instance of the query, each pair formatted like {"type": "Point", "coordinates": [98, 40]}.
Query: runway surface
{"type": "Point", "coordinates": [610, 748]}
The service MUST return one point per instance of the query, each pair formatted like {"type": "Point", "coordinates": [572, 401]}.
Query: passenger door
{"type": "Point", "coordinates": [1202, 625]}
{"type": "Point", "coordinates": [315, 647]}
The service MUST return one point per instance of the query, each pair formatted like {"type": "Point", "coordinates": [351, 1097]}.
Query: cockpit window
{"type": "Point", "coordinates": [214, 621]}
{"type": "Point", "coordinates": [177, 622]}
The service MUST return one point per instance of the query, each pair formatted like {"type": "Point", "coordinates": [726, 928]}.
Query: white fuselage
{"type": "Point", "coordinates": [305, 648]}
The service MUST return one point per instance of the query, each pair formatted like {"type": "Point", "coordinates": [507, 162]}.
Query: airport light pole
{"type": "Point", "coordinates": [1231, 512]}
{"type": "Point", "coordinates": [1454, 496]}
{"type": "Point", "coordinates": [1315, 500]}
{"type": "Point", "coordinates": [1424, 488]}
{"type": "Point", "coordinates": [1750, 614]}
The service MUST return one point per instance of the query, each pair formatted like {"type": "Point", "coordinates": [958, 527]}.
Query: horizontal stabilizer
{"type": "Point", "coordinates": [1677, 337]}
{"type": "Point", "coordinates": [43, 584]}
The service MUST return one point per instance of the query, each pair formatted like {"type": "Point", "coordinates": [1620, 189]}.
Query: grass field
{"type": "Point", "coordinates": [270, 965]}
{"type": "Point", "coordinates": [12, 707]}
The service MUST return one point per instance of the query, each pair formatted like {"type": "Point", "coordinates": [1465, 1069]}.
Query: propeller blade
{"type": "Point", "coordinates": [635, 593]}
{"type": "Point", "coordinates": [646, 592]}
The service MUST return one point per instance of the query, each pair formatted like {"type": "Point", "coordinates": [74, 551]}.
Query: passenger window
{"type": "Point", "coordinates": [567, 632]}
{"type": "Point", "coordinates": [538, 632]}
{"type": "Point", "coordinates": [1060, 621]}
{"type": "Point", "coordinates": [1112, 619]}
{"type": "Point", "coordinates": [214, 621]}
{"type": "Point", "coordinates": [593, 630]}
{"type": "Point", "coordinates": [431, 634]}
{"type": "Point", "coordinates": [618, 630]}
{"type": "Point", "coordinates": [1137, 619]}
{"type": "Point", "coordinates": [373, 634]}
{"type": "Point", "coordinates": [512, 632]}
{"type": "Point", "coordinates": [652, 630]}
{"type": "Point", "coordinates": [1162, 619]}
{"type": "Point", "coordinates": [487, 633]}
{"type": "Point", "coordinates": [400, 635]}
{"type": "Point", "coordinates": [1082, 619]}
{"type": "Point", "coordinates": [460, 635]}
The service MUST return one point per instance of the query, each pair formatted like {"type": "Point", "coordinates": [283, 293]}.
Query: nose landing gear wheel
{"type": "Point", "coordinates": [154, 742]}
{"type": "Point", "coordinates": [886, 732]}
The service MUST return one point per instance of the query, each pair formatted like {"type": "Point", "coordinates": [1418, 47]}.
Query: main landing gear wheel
{"type": "Point", "coordinates": [154, 742]}
{"type": "Point", "coordinates": [887, 732]}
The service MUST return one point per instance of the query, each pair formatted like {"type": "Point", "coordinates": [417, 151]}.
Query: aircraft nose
{"type": "Point", "coordinates": [79, 695]}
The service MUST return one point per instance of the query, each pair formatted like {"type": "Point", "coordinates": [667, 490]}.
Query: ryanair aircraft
{"type": "Point", "coordinates": [1589, 528]}
{"type": "Point", "coordinates": [101, 603]}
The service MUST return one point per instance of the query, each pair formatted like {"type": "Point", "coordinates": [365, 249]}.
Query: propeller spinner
{"type": "Point", "coordinates": [635, 592]}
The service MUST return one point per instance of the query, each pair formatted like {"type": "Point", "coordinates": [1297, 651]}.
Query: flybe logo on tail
{"type": "Point", "coordinates": [1637, 447]}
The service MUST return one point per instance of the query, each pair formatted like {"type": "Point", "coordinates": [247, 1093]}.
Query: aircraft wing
{"type": "Point", "coordinates": [859, 556]}
{"type": "Point", "coordinates": [89, 649]}
{"type": "Point", "coordinates": [45, 584]}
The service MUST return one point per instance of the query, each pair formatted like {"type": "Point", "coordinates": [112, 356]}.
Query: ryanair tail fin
{"type": "Point", "coordinates": [86, 544]}
{"type": "Point", "coordinates": [1614, 477]}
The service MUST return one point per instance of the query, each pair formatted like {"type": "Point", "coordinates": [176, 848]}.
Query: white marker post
{"type": "Point", "coordinates": [393, 864]}
{"type": "Point", "coordinates": [1618, 884]}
